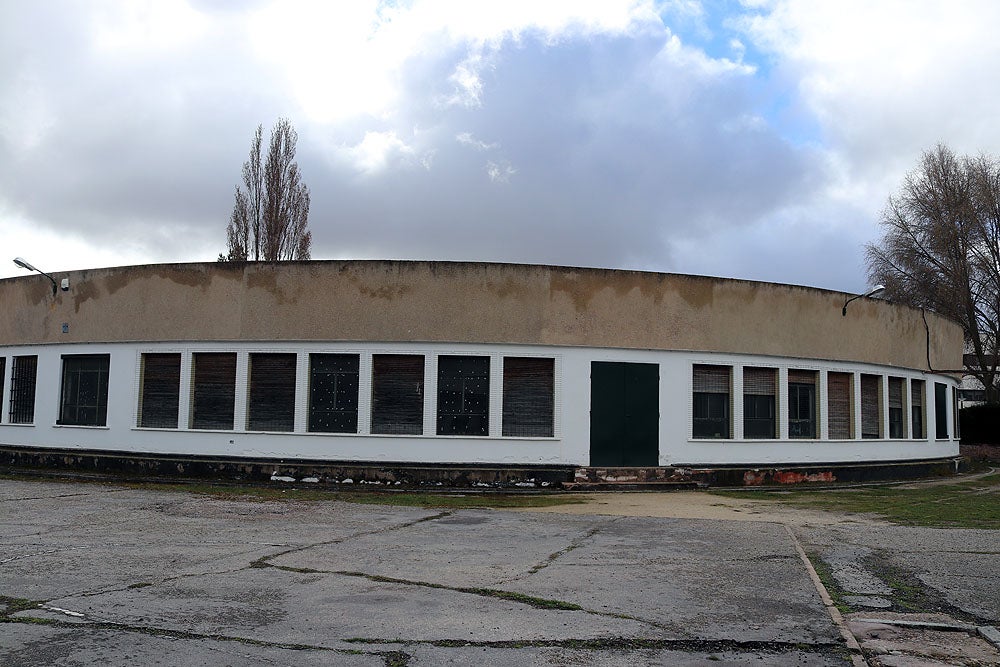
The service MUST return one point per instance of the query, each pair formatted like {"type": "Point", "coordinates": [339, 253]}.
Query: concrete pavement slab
{"type": "Point", "coordinates": [127, 574]}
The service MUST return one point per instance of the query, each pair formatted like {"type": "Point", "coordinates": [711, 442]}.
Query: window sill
{"type": "Point", "coordinates": [83, 426]}
{"type": "Point", "coordinates": [32, 424]}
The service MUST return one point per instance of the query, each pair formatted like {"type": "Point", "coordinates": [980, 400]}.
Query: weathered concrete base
{"type": "Point", "coordinates": [276, 471]}
{"type": "Point", "coordinates": [660, 478]}
{"type": "Point", "coordinates": [402, 475]}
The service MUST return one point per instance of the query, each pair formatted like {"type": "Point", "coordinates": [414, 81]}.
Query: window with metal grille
{"type": "Point", "coordinates": [801, 404]}
{"type": "Point", "coordinates": [271, 405]}
{"type": "Point", "coordinates": [917, 407]}
{"type": "Point", "coordinates": [22, 389]}
{"type": "Point", "coordinates": [528, 397]}
{"type": "Point", "coordinates": [840, 424]}
{"type": "Point", "coordinates": [398, 394]}
{"type": "Point", "coordinates": [871, 408]}
{"type": "Point", "coordinates": [463, 406]}
{"type": "Point", "coordinates": [213, 396]}
{"type": "Point", "coordinates": [333, 393]}
{"type": "Point", "coordinates": [84, 390]}
{"type": "Point", "coordinates": [758, 402]}
{"type": "Point", "coordinates": [160, 390]}
{"type": "Point", "coordinates": [711, 401]}
{"type": "Point", "coordinates": [896, 424]}
{"type": "Point", "coordinates": [3, 379]}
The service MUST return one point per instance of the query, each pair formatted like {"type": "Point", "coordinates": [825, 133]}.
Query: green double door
{"type": "Point", "coordinates": [624, 414]}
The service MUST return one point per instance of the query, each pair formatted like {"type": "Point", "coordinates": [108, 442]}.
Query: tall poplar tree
{"type": "Point", "coordinates": [271, 214]}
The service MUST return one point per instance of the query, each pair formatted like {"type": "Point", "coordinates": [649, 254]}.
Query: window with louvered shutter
{"type": "Point", "coordinates": [213, 395]}
{"type": "Point", "coordinates": [528, 397]}
{"type": "Point", "coordinates": [398, 394]}
{"type": "Point", "coordinates": [711, 400]}
{"type": "Point", "coordinates": [839, 406]}
{"type": "Point", "coordinates": [802, 404]}
{"type": "Point", "coordinates": [759, 388]}
{"type": "Point", "coordinates": [159, 395]}
{"type": "Point", "coordinates": [871, 410]}
{"type": "Point", "coordinates": [917, 408]}
{"type": "Point", "coordinates": [271, 404]}
{"type": "Point", "coordinates": [23, 372]}
{"type": "Point", "coordinates": [333, 393]}
{"type": "Point", "coordinates": [896, 407]}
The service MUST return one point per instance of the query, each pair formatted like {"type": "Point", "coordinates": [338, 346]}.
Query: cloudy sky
{"type": "Point", "coordinates": [755, 139]}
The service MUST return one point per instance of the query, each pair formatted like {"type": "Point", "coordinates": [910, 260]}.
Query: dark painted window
{"type": "Point", "coordinates": [871, 408]}
{"type": "Point", "coordinates": [84, 390]}
{"type": "Point", "coordinates": [896, 424]}
{"type": "Point", "coordinates": [917, 407]}
{"type": "Point", "coordinates": [712, 388]}
{"type": "Point", "coordinates": [758, 403]}
{"type": "Point", "coordinates": [3, 378]}
{"type": "Point", "coordinates": [333, 393]}
{"type": "Point", "coordinates": [956, 422]}
{"type": "Point", "coordinates": [398, 394]}
{"type": "Point", "coordinates": [940, 410]}
{"type": "Point", "coordinates": [22, 389]}
{"type": "Point", "coordinates": [840, 406]}
{"type": "Point", "coordinates": [463, 406]}
{"type": "Point", "coordinates": [528, 397]}
{"type": "Point", "coordinates": [272, 392]}
{"type": "Point", "coordinates": [213, 398]}
{"type": "Point", "coordinates": [159, 397]}
{"type": "Point", "coordinates": [802, 404]}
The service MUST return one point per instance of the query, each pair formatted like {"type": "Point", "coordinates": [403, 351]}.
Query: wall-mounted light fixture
{"type": "Point", "coordinates": [878, 289]}
{"type": "Point", "coordinates": [25, 264]}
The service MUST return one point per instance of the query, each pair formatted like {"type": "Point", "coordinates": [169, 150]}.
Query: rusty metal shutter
{"type": "Point", "coordinates": [159, 398]}
{"type": "Point", "coordinates": [213, 398]}
{"type": "Point", "coordinates": [711, 379]}
{"type": "Point", "coordinates": [801, 377]}
{"type": "Point", "coordinates": [870, 409]}
{"type": "Point", "coordinates": [398, 394]}
{"type": "Point", "coordinates": [528, 397]}
{"type": "Point", "coordinates": [839, 405]}
{"type": "Point", "coordinates": [272, 392]}
{"type": "Point", "coordinates": [759, 381]}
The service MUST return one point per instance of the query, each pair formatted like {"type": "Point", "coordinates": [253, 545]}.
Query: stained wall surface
{"type": "Point", "coordinates": [396, 301]}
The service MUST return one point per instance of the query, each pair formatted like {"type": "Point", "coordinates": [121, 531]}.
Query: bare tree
{"type": "Point", "coordinates": [941, 250]}
{"type": "Point", "coordinates": [271, 213]}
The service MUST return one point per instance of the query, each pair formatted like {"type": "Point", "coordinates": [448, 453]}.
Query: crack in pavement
{"type": "Point", "coordinates": [624, 643]}
{"type": "Point", "coordinates": [496, 593]}
{"type": "Point", "coordinates": [263, 560]}
{"type": "Point", "coordinates": [179, 634]}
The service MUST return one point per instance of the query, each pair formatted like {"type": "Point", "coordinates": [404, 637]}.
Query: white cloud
{"type": "Point", "coordinates": [469, 140]}
{"type": "Point", "coordinates": [379, 149]}
{"type": "Point", "coordinates": [500, 172]}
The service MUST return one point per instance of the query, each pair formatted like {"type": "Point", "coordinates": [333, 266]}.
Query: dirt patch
{"type": "Point", "coordinates": [702, 505]}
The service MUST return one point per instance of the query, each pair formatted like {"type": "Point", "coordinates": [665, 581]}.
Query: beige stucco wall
{"type": "Point", "coordinates": [468, 302]}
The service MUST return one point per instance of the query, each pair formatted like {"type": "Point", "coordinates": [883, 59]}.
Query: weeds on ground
{"type": "Point", "coordinates": [963, 504]}
{"type": "Point", "coordinates": [398, 498]}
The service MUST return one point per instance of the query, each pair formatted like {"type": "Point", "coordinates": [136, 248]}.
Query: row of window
{"type": "Point", "coordinates": [712, 401]}
{"type": "Point", "coordinates": [397, 395]}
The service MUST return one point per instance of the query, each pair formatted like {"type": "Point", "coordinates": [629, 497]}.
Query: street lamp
{"type": "Point", "coordinates": [24, 264]}
{"type": "Point", "coordinates": [878, 289]}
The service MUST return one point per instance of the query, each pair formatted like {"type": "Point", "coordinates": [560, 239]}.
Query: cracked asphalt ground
{"type": "Point", "coordinates": [120, 576]}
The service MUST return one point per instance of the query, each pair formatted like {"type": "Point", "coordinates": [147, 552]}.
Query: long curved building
{"type": "Point", "coordinates": [470, 363]}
